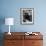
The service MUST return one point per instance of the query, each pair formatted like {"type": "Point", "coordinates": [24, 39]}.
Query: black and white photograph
{"type": "Point", "coordinates": [27, 15]}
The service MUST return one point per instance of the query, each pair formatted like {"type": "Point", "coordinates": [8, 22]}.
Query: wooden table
{"type": "Point", "coordinates": [20, 39]}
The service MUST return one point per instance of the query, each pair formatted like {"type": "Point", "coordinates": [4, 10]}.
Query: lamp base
{"type": "Point", "coordinates": [9, 33]}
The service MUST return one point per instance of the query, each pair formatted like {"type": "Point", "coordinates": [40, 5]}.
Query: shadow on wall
{"type": "Point", "coordinates": [2, 21]}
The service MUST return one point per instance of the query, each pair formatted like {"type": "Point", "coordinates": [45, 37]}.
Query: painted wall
{"type": "Point", "coordinates": [11, 8]}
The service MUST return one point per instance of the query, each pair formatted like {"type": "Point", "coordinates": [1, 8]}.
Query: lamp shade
{"type": "Point", "coordinates": [9, 21]}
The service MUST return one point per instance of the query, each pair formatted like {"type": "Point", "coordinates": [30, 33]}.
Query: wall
{"type": "Point", "coordinates": [11, 8]}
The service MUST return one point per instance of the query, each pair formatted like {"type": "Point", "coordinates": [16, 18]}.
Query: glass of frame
{"type": "Point", "coordinates": [26, 15]}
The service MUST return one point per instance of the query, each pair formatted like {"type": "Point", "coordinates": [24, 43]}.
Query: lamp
{"type": "Point", "coordinates": [9, 21]}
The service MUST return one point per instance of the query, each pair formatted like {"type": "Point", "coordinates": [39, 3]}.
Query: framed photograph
{"type": "Point", "coordinates": [27, 15]}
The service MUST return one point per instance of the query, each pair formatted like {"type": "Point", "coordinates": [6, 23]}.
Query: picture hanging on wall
{"type": "Point", "coordinates": [26, 15]}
